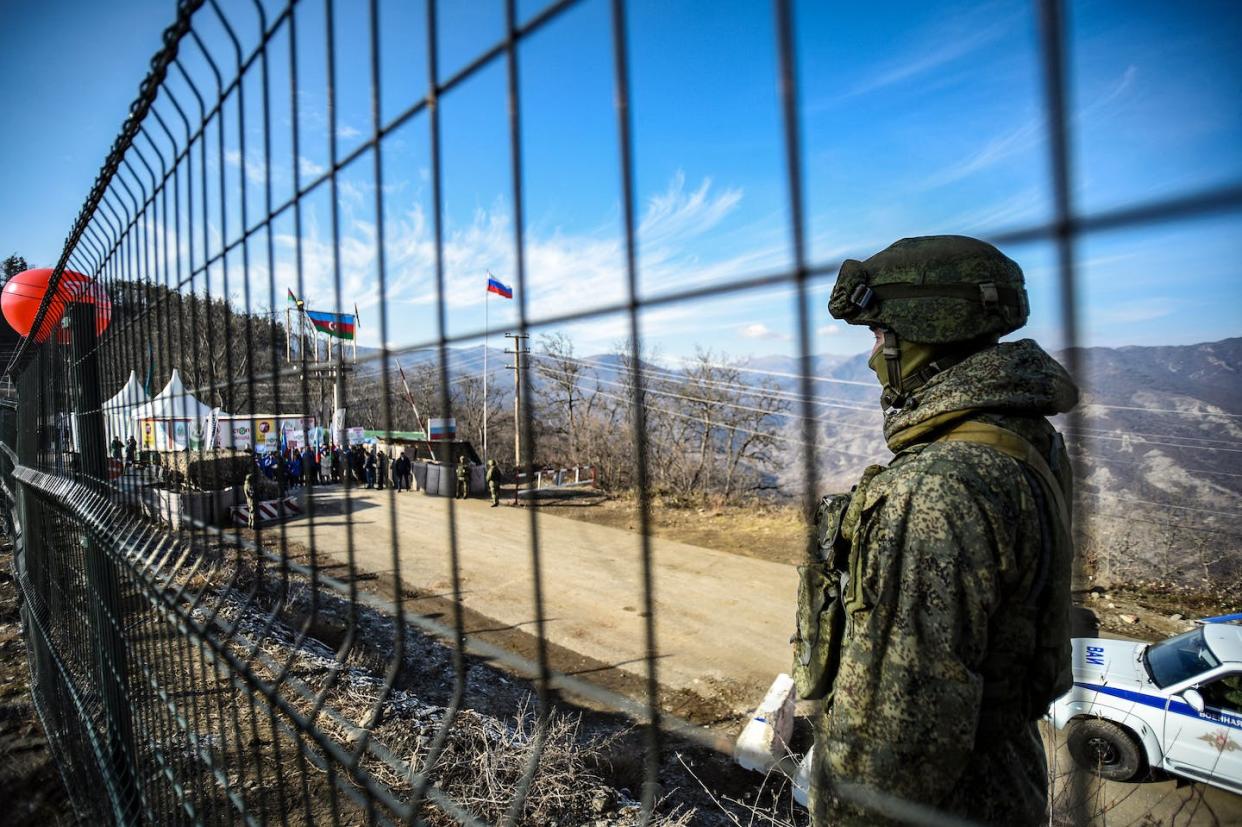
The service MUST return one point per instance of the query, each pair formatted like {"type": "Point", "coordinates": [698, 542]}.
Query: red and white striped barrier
{"type": "Point", "coordinates": [268, 510]}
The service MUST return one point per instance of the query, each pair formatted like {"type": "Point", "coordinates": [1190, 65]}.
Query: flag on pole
{"type": "Point", "coordinates": [294, 300]}
{"type": "Point", "coordinates": [340, 325]}
{"type": "Point", "coordinates": [494, 286]}
{"type": "Point", "coordinates": [149, 384]}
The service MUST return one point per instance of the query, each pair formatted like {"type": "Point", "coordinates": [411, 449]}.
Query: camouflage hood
{"type": "Point", "coordinates": [1011, 377]}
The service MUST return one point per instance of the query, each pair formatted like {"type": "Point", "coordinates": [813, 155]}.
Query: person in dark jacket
{"type": "Point", "coordinates": [295, 469]}
{"type": "Point", "coordinates": [310, 471]}
{"type": "Point", "coordinates": [401, 471]}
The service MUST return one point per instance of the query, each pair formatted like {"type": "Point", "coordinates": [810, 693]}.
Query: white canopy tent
{"type": "Point", "coordinates": [173, 420]}
{"type": "Point", "coordinates": [118, 411]}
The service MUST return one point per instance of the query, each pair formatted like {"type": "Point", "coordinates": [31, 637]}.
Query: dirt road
{"type": "Point", "coordinates": [720, 618]}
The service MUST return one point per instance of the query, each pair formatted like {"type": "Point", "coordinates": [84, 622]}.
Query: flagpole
{"type": "Point", "coordinates": [486, 302]}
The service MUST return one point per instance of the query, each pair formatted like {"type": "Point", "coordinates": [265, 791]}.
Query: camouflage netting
{"type": "Point", "coordinates": [206, 471]}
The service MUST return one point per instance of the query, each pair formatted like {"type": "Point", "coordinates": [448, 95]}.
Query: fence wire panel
{"type": "Point", "coordinates": [221, 630]}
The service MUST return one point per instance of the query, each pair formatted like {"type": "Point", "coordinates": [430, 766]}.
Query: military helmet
{"type": "Point", "coordinates": [934, 289]}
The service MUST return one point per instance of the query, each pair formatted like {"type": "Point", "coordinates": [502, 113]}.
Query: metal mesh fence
{"type": "Point", "coordinates": [192, 673]}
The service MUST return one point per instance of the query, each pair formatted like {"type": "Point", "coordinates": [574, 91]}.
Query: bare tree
{"type": "Point", "coordinates": [468, 409]}
{"type": "Point", "coordinates": [749, 432]}
{"type": "Point", "coordinates": [565, 399]}
{"type": "Point", "coordinates": [735, 422]}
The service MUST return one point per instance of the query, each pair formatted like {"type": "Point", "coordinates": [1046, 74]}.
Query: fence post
{"type": "Point", "coordinates": [107, 614]}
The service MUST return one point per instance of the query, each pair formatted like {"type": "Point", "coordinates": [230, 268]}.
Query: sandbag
{"type": "Point", "coordinates": [432, 483]}
{"type": "Point", "coordinates": [447, 481]}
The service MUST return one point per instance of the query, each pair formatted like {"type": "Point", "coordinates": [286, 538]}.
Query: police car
{"type": "Point", "coordinates": [1174, 705]}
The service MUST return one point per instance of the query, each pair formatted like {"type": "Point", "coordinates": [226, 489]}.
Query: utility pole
{"type": "Point", "coordinates": [519, 364]}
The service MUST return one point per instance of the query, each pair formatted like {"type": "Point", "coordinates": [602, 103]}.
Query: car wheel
{"type": "Point", "coordinates": [1106, 749]}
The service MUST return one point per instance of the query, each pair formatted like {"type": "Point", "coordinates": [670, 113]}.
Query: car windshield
{"type": "Point", "coordinates": [1178, 658]}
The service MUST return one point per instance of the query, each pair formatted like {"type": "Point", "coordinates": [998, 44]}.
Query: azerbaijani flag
{"type": "Point", "coordinates": [340, 325]}
{"type": "Point", "coordinates": [494, 286]}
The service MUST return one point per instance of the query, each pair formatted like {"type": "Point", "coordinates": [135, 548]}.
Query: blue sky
{"type": "Point", "coordinates": [917, 118]}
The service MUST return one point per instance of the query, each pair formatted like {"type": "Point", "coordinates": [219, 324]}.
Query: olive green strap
{"type": "Point", "coordinates": [906, 437]}
{"type": "Point", "coordinates": [1013, 445]}
{"type": "Point", "coordinates": [987, 294]}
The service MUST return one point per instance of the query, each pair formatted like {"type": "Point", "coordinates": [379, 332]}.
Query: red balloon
{"type": "Point", "coordinates": [24, 292]}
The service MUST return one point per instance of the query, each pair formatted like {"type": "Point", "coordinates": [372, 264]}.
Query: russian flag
{"type": "Point", "coordinates": [494, 286]}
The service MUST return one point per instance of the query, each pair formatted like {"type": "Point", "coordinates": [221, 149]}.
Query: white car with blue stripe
{"type": "Point", "coordinates": [1174, 705]}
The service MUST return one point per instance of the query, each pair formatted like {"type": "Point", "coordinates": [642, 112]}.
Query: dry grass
{"type": "Point", "coordinates": [483, 759]}
{"type": "Point", "coordinates": [761, 529]}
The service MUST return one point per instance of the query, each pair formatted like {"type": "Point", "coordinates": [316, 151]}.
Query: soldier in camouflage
{"type": "Point", "coordinates": [463, 479]}
{"type": "Point", "coordinates": [493, 482]}
{"type": "Point", "coordinates": [250, 490]}
{"type": "Point", "coordinates": [950, 567]}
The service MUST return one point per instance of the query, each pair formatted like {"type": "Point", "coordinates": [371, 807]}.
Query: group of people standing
{"type": "Point", "coordinates": [332, 464]}
{"type": "Point", "coordinates": [129, 448]}
{"type": "Point", "coordinates": [293, 468]}
{"type": "Point", "coordinates": [378, 469]}
{"type": "Point", "coordinates": [370, 467]}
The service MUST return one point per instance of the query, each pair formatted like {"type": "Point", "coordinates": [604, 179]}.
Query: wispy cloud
{"type": "Point", "coordinates": [1016, 141]}
{"type": "Point", "coordinates": [1029, 134]}
{"type": "Point", "coordinates": [1138, 310]}
{"type": "Point", "coordinates": [676, 213]}
{"type": "Point", "coordinates": [256, 170]}
{"type": "Point", "coordinates": [937, 46]}
{"type": "Point", "coordinates": [309, 169]}
{"type": "Point", "coordinates": [759, 330]}
{"type": "Point", "coordinates": [565, 271]}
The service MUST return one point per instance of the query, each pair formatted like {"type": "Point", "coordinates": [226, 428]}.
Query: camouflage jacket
{"type": "Point", "coordinates": [945, 546]}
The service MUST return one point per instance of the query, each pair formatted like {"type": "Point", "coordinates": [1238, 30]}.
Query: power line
{"type": "Point", "coordinates": [828, 379]}
{"type": "Point", "coordinates": [779, 437]}
{"type": "Point", "coordinates": [1139, 441]}
{"type": "Point", "coordinates": [830, 402]}
{"type": "Point", "coordinates": [1107, 431]}
{"type": "Point", "coordinates": [1119, 498]}
{"type": "Point", "coordinates": [1095, 458]}
{"type": "Point", "coordinates": [720, 402]}
{"type": "Point", "coordinates": [1128, 518]}
{"type": "Point", "coordinates": [1157, 410]}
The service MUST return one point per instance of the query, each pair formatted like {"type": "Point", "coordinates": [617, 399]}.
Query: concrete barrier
{"type": "Point", "coordinates": [765, 739]}
{"type": "Point", "coordinates": [174, 508]}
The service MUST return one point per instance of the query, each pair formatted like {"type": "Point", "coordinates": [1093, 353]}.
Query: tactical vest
{"type": "Point", "coordinates": [1018, 686]}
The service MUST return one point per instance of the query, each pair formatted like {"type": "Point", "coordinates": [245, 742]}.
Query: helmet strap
{"type": "Point", "coordinates": [906, 369]}
{"type": "Point", "coordinates": [893, 396]}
